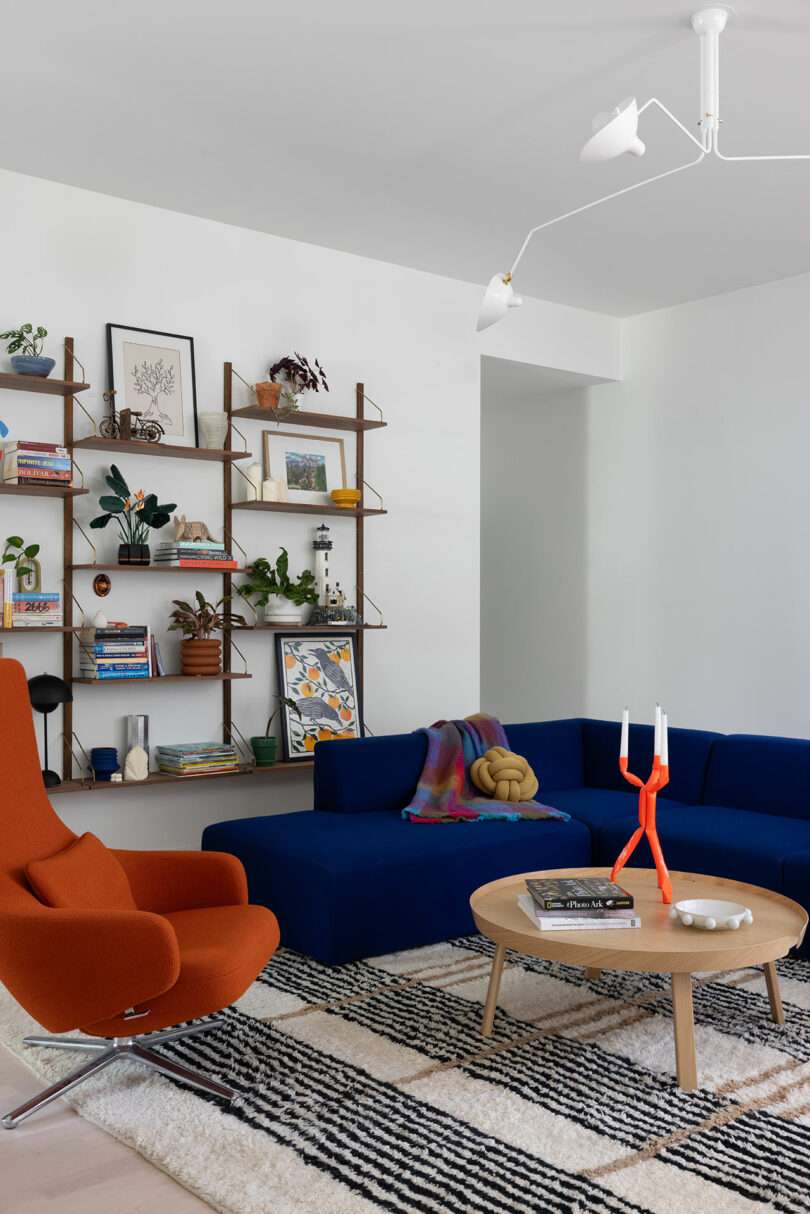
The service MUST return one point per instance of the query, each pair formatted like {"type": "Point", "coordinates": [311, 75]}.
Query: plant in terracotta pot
{"type": "Point", "coordinates": [270, 586]}
{"type": "Point", "coordinates": [265, 746]}
{"type": "Point", "coordinates": [296, 374]}
{"type": "Point", "coordinates": [200, 652]}
{"type": "Point", "coordinates": [135, 513]}
{"type": "Point", "coordinates": [30, 341]}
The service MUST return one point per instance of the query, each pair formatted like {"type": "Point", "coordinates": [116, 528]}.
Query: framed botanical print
{"type": "Point", "coordinates": [317, 674]}
{"type": "Point", "coordinates": [153, 373]}
{"type": "Point", "coordinates": [310, 467]}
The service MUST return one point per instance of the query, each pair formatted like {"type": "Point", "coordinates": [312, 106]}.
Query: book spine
{"type": "Point", "coordinates": [48, 448]}
{"type": "Point", "coordinates": [573, 925]}
{"type": "Point", "coordinates": [40, 461]}
{"type": "Point", "coordinates": [110, 676]}
{"type": "Point", "coordinates": [35, 596]}
{"type": "Point", "coordinates": [564, 904]}
{"type": "Point", "coordinates": [183, 564]}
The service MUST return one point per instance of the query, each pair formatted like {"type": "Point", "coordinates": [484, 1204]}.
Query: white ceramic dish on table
{"type": "Point", "coordinates": [710, 914]}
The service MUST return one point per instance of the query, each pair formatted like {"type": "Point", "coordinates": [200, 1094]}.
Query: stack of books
{"type": "Point", "coordinates": [577, 903]}
{"type": "Point", "coordinates": [197, 758]}
{"type": "Point", "coordinates": [36, 609]}
{"type": "Point", "coordinates": [199, 554]}
{"type": "Point", "coordinates": [29, 463]}
{"type": "Point", "coordinates": [117, 653]}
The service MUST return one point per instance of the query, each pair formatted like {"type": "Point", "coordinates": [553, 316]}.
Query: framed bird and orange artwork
{"type": "Point", "coordinates": [317, 675]}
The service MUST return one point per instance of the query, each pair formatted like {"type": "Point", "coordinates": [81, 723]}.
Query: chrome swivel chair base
{"type": "Point", "coordinates": [103, 1051]}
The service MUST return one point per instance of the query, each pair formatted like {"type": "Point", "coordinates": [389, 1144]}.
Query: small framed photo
{"type": "Point", "coordinates": [318, 674]}
{"type": "Point", "coordinates": [310, 467]}
{"type": "Point", "coordinates": [153, 373]}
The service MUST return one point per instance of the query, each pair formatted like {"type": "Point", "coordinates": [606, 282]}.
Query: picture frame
{"type": "Point", "coordinates": [153, 373]}
{"type": "Point", "coordinates": [309, 466]}
{"type": "Point", "coordinates": [329, 699]}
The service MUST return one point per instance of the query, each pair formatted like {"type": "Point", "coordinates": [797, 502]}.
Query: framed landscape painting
{"type": "Point", "coordinates": [153, 373]}
{"type": "Point", "coordinates": [310, 467]}
{"type": "Point", "coordinates": [317, 674]}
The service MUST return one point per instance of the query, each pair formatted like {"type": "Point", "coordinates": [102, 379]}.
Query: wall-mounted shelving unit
{"type": "Point", "coordinates": [68, 388]}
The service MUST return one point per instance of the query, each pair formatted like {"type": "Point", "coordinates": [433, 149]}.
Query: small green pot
{"type": "Point", "coordinates": [264, 750]}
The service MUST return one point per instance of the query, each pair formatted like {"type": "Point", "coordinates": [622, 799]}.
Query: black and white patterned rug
{"type": "Point", "coordinates": [369, 1088]}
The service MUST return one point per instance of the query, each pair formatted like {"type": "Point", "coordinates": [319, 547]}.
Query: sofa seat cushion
{"type": "Point", "coordinates": [599, 809]}
{"type": "Point", "coordinates": [346, 886]}
{"type": "Point", "coordinates": [717, 840]}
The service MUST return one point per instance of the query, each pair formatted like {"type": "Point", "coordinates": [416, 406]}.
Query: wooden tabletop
{"type": "Point", "coordinates": [660, 945]}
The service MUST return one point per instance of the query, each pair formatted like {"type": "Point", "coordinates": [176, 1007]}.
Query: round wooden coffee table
{"type": "Point", "coordinates": [660, 946]}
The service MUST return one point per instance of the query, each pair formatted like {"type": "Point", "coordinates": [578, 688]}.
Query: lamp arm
{"type": "Point", "coordinates": [654, 101]}
{"type": "Point", "coordinates": [597, 201]}
{"type": "Point", "coordinates": [720, 155]}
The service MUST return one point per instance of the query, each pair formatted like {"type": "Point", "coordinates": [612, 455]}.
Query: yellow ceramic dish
{"type": "Point", "coordinates": [347, 499]}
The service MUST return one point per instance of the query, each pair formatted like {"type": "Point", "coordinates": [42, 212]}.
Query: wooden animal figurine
{"type": "Point", "coordinates": [190, 532]}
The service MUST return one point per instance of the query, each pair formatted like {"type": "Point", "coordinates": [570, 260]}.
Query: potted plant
{"type": "Point", "coordinates": [23, 557]}
{"type": "Point", "coordinates": [30, 341]}
{"type": "Point", "coordinates": [265, 746]}
{"type": "Point", "coordinates": [284, 601]}
{"type": "Point", "coordinates": [134, 513]}
{"type": "Point", "coordinates": [296, 375]}
{"type": "Point", "coordinates": [200, 652]}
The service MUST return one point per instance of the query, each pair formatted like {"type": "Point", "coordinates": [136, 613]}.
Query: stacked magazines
{"type": "Point", "coordinates": [197, 758]}
{"type": "Point", "coordinates": [195, 554]}
{"type": "Point", "coordinates": [576, 903]}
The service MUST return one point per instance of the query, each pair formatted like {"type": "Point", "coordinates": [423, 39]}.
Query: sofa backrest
{"type": "Point", "coordinates": [689, 751]}
{"type": "Point", "coordinates": [361, 775]}
{"type": "Point", "coordinates": [767, 775]}
{"type": "Point", "coordinates": [553, 749]}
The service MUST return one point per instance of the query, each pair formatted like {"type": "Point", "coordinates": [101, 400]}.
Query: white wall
{"type": "Point", "coordinates": [73, 260]}
{"type": "Point", "coordinates": [695, 501]}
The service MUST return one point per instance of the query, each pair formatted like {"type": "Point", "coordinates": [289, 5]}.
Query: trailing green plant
{"type": "Point", "coordinates": [25, 340]}
{"type": "Point", "coordinates": [17, 552]}
{"type": "Point", "coordinates": [283, 702]}
{"type": "Point", "coordinates": [266, 579]}
{"type": "Point", "coordinates": [198, 623]}
{"type": "Point", "coordinates": [134, 512]}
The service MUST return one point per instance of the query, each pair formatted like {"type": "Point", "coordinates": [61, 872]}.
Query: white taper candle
{"type": "Point", "coordinates": [664, 741]}
{"type": "Point", "coordinates": [657, 742]}
{"type": "Point", "coordinates": [624, 744]}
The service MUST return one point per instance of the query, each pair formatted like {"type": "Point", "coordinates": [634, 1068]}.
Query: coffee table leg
{"type": "Point", "coordinates": [492, 991]}
{"type": "Point", "coordinates": [684, 1019]}
{"type": "Point", "coordinates": [774, 994]}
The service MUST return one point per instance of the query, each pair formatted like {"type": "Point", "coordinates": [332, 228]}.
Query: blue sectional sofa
{"type": "Point", "coordinates": [353, 879]}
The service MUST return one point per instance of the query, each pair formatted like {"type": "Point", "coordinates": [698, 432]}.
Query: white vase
{"type": "Point", "coordinates": [280, 610]}
{"type": "Point", "coordinates": [214, 430]}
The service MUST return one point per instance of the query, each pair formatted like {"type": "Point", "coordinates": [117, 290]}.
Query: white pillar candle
{"type": "Point", "coordinates": [271, 491]}
{"type": "Point", "coordinates": [657, 742]}
{"type": "Point", "coordinates": [254, 476]}
{"type": "Point", "coordinates": [624, 744]}
{"type": "Point", "coordinates": [664, 741]}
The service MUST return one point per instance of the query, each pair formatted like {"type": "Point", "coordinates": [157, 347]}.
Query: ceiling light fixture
{"type": "Point", "coordinates": [616, 134]}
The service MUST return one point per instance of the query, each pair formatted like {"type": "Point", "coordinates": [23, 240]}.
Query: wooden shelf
{"type": "Point", "coordinates": [300, 508]}
{"type": "Point", "coordinates": [317, 421]}
{"type": "Point", "coordinates": [316, 628]}
{"type": "Point", "coordinates": [164, 450]}
{"type": "Point", "coordinates": [222, 677]}
{"type": "Point", "coordinates": [160, 777]}
{"type": "Point", "coordinates": [37, 383]}
{"type": "Point", "coordinates": [43, 490]}
{"type": "Point", "coordinates": [148, 569]}
{"type": "Point", "coordinates": [41, 628]}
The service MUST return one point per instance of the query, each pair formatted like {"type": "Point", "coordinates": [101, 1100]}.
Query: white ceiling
{"type": "Point", "coordinates": [428, 134]}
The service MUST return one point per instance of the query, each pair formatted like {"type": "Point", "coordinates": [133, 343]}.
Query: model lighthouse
{"type": "Point", "coordinates": [323, 546]}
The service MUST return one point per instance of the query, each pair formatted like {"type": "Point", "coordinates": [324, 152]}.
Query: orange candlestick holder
{"type": "Point", "coordinates": [647, 793]}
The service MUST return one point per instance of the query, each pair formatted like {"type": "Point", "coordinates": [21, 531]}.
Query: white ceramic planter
{"type": "Point", "coordinates": [710, 914]}
{"type": "Point", "coordinates": [281, 611]}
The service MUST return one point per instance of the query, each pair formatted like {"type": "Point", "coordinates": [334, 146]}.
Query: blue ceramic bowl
{"type": "Point", "coordinates": [28, 364]}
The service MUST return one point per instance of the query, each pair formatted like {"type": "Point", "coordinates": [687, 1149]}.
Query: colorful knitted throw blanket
{"type": "Point", "coordinates": [444, 792]}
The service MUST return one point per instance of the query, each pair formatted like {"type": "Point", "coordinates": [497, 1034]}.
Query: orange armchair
{"type": "Point", "coordinates": [191, 946]}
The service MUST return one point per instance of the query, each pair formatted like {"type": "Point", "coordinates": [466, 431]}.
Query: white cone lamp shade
{"type": "Point", "coordinates": [499, 297]}
{"type": "Point", "coordinates": [616, 133]}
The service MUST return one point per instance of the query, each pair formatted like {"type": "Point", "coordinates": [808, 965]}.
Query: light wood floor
{"type": "Point", "coordinates": [57, 1162]}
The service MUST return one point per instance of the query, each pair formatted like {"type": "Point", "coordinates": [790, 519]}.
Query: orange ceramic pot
{"type": "Point", "coordinates": [201, 657]}
{"type": "Point", "coordinates": [267, 395]}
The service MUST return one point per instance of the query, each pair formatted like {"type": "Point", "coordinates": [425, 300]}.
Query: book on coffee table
{"type": "Point", "coordinates": [578, 893]}
{"type": "Point", "coordinates": [572, 921]}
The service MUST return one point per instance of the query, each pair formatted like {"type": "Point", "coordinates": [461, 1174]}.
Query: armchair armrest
{"type": "Point", "coordinates": [163, 881]}
{"type": "Point", "coordinates": [69, 968]}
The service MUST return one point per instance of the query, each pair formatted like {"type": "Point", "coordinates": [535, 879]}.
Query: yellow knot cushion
{"type": "Point", "coordinates": [504, 776]}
